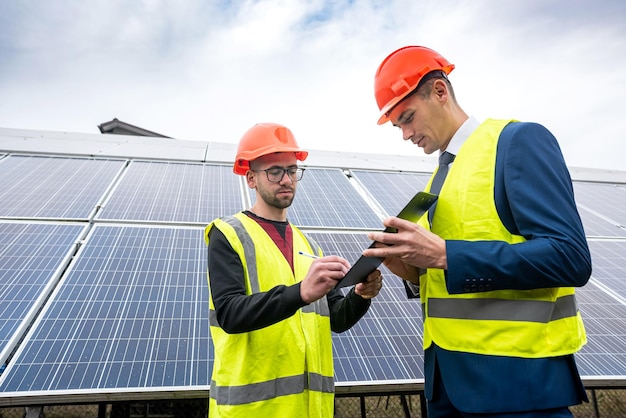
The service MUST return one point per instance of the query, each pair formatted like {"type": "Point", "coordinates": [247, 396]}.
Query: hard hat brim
{"type": "Point", "coordinates": [242, 165]}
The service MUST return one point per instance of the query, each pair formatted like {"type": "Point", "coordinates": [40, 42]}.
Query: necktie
{"type": "Point", "coordinates": [444, 160]}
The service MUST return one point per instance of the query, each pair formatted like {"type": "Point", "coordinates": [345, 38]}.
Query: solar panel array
{"type": "Point", "coordinates": [103, 283]}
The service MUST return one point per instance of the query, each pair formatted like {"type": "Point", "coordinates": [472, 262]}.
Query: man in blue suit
{"type": "Point", "coordinates": [496, 261]}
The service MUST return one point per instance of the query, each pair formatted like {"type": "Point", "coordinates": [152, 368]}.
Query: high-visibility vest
{"type": "Point", "coordinates": [282, 370]}
{"type": "Point", "coordinates": [521, 323]}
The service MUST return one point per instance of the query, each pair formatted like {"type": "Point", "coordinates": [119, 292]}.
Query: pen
{"type": "Point", "coordinates": [308, 255]}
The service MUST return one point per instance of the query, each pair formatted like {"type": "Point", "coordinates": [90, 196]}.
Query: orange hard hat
{"type": "Point", "coordinates": [400, 73]}
{"type": "Point", "coordinates": [263, 139]}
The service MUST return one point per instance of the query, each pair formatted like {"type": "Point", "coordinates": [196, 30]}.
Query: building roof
{"type": "Point", "coordinates": [117, 127]}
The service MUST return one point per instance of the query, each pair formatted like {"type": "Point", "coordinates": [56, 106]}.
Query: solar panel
{"type": "Point", "coordinates": [609, 265]}
{"type": "Point", "coordinates": [31, 257]}
{"type": "Point", "coordinates": [386, 344]}
{"type": "Point", "coordinates": [607, 201]}
{"type": "Point", "coordinates": [132, 312]}
{"type": "Point", "coordinates": [53, 187]}
{"type": "Point", "coordinates": [604, 355]}
{"type": "Point", "coordinates": [325, 198]}
{"type": "Point", "coordinates": [174, 192]}
{"type": "Point", "coordinates": [596, 225]}
{"type": "Point", "coordinates": [392, 190]}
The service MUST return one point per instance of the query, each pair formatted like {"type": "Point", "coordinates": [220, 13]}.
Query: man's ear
{"type": "Point", "coordinates": [251, 179]}
{"type": "Point", "coordinates": [440, 90]}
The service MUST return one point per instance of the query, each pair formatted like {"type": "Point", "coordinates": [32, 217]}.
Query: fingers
{"type": "Point", "coordinates": [397, 224]}
{"type": "Point", "coordinates": [322, 277]}
{"type": "Point", "coordinates": [371, 287]}
{"type": "Point", "coordinates": [332, 262]}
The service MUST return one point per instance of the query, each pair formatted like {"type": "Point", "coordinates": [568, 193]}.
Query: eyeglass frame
{"type": "Point", "coordinates": [298, 172]}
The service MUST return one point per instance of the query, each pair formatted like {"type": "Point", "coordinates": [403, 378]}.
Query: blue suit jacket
{"type": "Point", "coordinates": [534, 198]}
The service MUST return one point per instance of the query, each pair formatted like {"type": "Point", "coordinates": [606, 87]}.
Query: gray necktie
{"type": "Point", "coordinates": [444, 160]}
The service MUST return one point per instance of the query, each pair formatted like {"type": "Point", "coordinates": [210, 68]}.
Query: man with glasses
{"type": "Point", "coordinates": [272, 299]}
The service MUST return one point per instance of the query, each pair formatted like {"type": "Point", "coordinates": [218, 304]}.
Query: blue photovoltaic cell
{"type": "Point", "coordinates": [607, 201]}
{"type": "Point", "coordinates": [392, 191]}
{"type": "Point", "coordinates": [52, 187]}
{"type": "Point", "coordinates": [131, 313]}
{"type": "Point", "coordinates": [596, 226]}
{"type": "Point", "coordinates": [386, 344]}
{"type": "Point", "coordinates": [604, 317]}
{"type": "Point", "coordinates": [30, 255]}
{"type": "Point", "coordinates": [609, 265]}
{"type": "Point", "coordinates": [325, 198]}
{"type": "Point", "coordinates": [174, 192]}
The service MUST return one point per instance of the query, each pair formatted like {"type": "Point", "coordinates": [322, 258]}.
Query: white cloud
{"type": "Point", "coordinates": [209, 70]}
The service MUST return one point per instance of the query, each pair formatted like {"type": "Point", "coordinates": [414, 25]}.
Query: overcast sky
{"type": "Point", "coordinates": [209, 70]}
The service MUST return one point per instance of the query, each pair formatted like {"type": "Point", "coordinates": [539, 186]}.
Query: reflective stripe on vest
{"type": "Point", "coordinates": [248, 250]}
{"type": "Point", "coordinates": [239, 395]}
{"type": "Point", "coordinates": [541, 311]}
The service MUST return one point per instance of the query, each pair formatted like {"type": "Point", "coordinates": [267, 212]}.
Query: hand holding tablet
{"type": "Point", "coordinates": [414, 210]}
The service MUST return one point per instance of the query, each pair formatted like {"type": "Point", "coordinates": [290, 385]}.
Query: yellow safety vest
{"type": "Point", "coordinates": [521, 323]}
{"type": "Point", "coordinates": [285, 369]}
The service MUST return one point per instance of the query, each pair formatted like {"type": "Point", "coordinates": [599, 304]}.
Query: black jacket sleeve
{"type": "Point", "coordinates": [237, 312]}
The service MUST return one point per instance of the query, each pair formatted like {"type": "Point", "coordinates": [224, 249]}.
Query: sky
{"type": "Point", "coordinates": [209, 70]}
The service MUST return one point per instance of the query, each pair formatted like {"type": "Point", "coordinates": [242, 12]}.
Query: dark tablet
{"type": "Point", "coordinates": [414, 210]}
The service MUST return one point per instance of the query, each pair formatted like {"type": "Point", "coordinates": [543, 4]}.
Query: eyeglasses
{"type": "Point", "coordinates": [276, 174]}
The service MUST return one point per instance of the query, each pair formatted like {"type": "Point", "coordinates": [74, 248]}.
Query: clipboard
{"type": "Point", "coordinates": [414, 210]}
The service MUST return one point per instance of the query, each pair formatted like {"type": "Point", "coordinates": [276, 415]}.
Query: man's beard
{"type": "Point", "coordinates": [271, 199]}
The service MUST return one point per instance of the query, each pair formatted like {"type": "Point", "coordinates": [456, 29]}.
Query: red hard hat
{"type": "Point", "coordinates": [400, 73]}
{"type": "Point", "coordinates": [263, 139]}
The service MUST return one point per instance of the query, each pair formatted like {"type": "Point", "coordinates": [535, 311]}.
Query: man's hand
{"type": "Point", "coordinates": [403, 270]}
{"type": "Point", "coordinates": [412, 245]}
{"type": "Point", "coordinates": [322, 277]}
{"type": "Point", "coordinates": [371, 286]}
